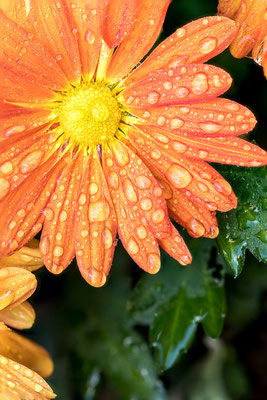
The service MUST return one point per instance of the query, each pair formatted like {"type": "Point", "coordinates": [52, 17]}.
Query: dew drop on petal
{"type": "Point", "coordinates": [196, 227]}
{"type": "Point", "coordinates": [129, 191]}
{"type": "Point", "coordinates": [89, 36]}
{"type": "Point", "coordinates": [31, 161]}
{"type": "Point", "coordinates": [132, 247]}
{"type": "Point", "coordinates": [176, 123]}
{"type": "Point", "coordinates": [153, 97]}
{"type": "Point", "coordinates": [143, 182]}
{"type": "Point", "coordinates": [181, 92]}
{"type": "Point", "coordinates": [98, 211]}
{"type": "Point", "coordinates": [107, 238]}
{"type": "Point", "coordinates": [158, 216]}
{"type": "Point", "coordinates": [200, 83]}
{"type": "Point", "coordinates": [179, 147]}
{"type": "Point", "coordinates": [146, 204]}
{"type": "Point", "coordinates": [154, 262]}
{"type": "Point", "coordinates": [141, 232]}
{"type": "Point", "coordinates": [6, 168]}
{"type": "Point", "coordinates": [4, 188]}
{"type": "Point", "coordinates": [178, 176]}
{"type": "Point", "coordinates": [222, 186]}
{"type": "Point", "coordinates": [209, 127]}
{"type": "Point", "coordinates": [207, 45]}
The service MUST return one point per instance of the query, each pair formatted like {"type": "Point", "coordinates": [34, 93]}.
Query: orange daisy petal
{"type": "Point", "coordinates": [228, 7]}
{"type": "Point", "coordinates": [149, 20]}
{"type": "Point", "coordinates": [20, 156]}
{"type": "Point", "coordinates": [22, 209]}
{"type": "Point", "coordinates": [133, 227]}
{"type": "Point", "coordinates": [95, 224]}
{"type": "Point", "coordinates": [16, 285]}
{"type": "Point", "coordinates": [51, 22]}
{"type": "Point", "coordinates": [193, 177]}
{"type": "Point", "coordinates": [28, 257]}
{"type": "Point", "coordinates": [26, 352]}
{"type": "Point", "coordinates": [226, 150]}
{"type": "Point", "coordinates": [25, 61]}
{"type": "Point", "coordinates": [87, 19]}
{"type": "Point", "coordinates": [248, 20]}
{"type": "Point", "coordinates": [141, 190]}
{"type": "Point", "coordinates": [120, 17]}
{"type": "Point", "coordinates": [176, 247]}
{"type": "Point", "coordinates": [14, 120]}
{"type": "Point", "coordinates": [22, 316]}
{"type": "Point", "coordinates": [217, 117]}
{"type": "Point", "coordinates": [190, 212]}
{"type": "Point", "coordinates": [57, 241]}
{"type": "Point", "coordinates": [14, 9]}
{"type": "Point", "coordinates": [178, 85]}
{"type": "Point", "coordinates": [196, 42]}
{"type": "Point", "coordinates": [27, 384]}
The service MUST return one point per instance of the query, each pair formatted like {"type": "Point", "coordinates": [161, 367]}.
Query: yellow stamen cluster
{"type": "Point", "coordinates": [89, 114]}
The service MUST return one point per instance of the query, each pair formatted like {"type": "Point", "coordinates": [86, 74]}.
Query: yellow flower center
{"type": "Point", "coordinates": [89, 114]}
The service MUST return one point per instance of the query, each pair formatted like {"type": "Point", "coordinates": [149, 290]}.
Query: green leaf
{"type": "Point", "coordinates": [174, 328]}
{"type": "Point", "coordinates": [176, 300]}
{"type": "Point", "coordinates": [103, 342]}
{"type": "Point", "coordinates": [246, 226]}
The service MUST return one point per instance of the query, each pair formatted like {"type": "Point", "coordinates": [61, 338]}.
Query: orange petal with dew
{"type": "Point", "coordinates": [183, 173]}
{"type": "Point", "coordinates": [16, 285]}
{"type": "Point", "coordinates": [26, 352]}
{"type": "Point", "coordinates": [25, 60]}
{"type": "Point", "coordinates": [14, 9]}
{"type": "Point", "coordinates": [17, 120]}
{"type": "Point", "coordinates": [119, 21]}
{"type": "Point", "coordinates": [28, 257]}
{"type": "Point", "coordinates": [22, 316]}
{"type": "Point", "coordinates": [217, 117]}
{"type": "Point", "coordinates": [192, 213]}
{"type": "Point", "coordinates": [22, 383]}
{"type": "Point", "coordinates": [196, 42]}
{"type": "Point", "coordinates": [57, 241]}
{"type": "Point", "coordinates": [259, 52]}
{"type": "Point", "coordinates": [22, 209]}
{"type": "Point", "coordinates": [95, 224]}
{"type": "Point", "coordinates": [228, 8]}
{"type": "Point", "coordinates": [87, 19]}
{"type": "Point", "coordinates": [149, 20]}
{"type": "Point", "coordinates": [175, 246]}
{"type": "Point", "coordinates": [192, 83]}
{"type": "Point", "coordinates": [51, 22]}
{"type": "Point", "coordinates": [20, 156]}
{"type": "Point", "coordinates": [141, 190]}
{"type": "Point", "coordinates": [248, 21]}
{"type": "Point", "coordinates": [133, 228]}
{"type": "Point", "coordinates": [225, 150]}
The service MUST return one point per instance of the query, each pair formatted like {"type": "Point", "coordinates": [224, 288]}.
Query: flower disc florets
{"type": "Point", "coordinates": [89, 114]}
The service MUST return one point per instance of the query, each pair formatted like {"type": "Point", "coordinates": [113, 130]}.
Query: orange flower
{"type": "Point", "coordinates": [251, 21]}
{"type": "Point", "coordinates": [92, 145]}
{"type": "Point", "coordinates": [21, 360]}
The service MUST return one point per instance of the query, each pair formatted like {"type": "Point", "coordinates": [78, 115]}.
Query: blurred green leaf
{"type": "Point", "coordinates": [176, 300]}
{"type": "Point", "coordinates": [103, 341]}
{"type": "Point", "coordinates": [246, 226]}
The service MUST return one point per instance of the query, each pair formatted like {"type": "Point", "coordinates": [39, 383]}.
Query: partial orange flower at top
{"type": "Point", "coordinates": [251, 21]}
{"type": "Point", "coordinates": [93, 143]}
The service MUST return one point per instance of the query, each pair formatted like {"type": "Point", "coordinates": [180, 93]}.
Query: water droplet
{"type": "Point", "coordinates": [207, 45]}
{"type": "Point", "coordinates": [31, 161]}
{"type": "Point", "coordinates": [82, 199]}
{"type": "Point", "coordinates": [146, 204]}
{"type": "Point", "coordinates": [176, 123]}
{"type": "Point", "coordinates": [93, 188]}
{"type": "Point", "coordinates": [107, 238]}
{"type": "Point", "coordinates": [4, 188]}
{"type": "Point", "coordinates": [6, 168]}
{"type": "Point", "coordinates": [15, 129]}
{"type": "Point", "coordinates": [222, 186]}
{"type": "Point", "coordinates": [178, 176]}
{"type": "Point", "coordinates": [167, 85]}
{"type": "Point", "coordinates": [153, 97]}
{"type": "Point", "coordinates": [209, 127]}
{"type": "Point", "coordinates": [181, 92]}
{"type": "Point", "coordinates": [141, 232]}
{"type": "Point", "coordinates": [200, 83]}
{"type": "Point", "coordinates": [58, 251]}
{"type": "Point", "coordinates": [154, 262]}
{"type": "Point", "coordinates": [143, 182]}
{"type": "Point", "coordinates": [45, 246]}
{"type": "Point", "coordinates": [49, 214]}
{"type": "Point", "coordinates": [99, 211]}
{"type": "Point", "coordinates": [158, 216]}
{"type": "Point", "coordinates": [132, 247]}
{"type": "Point", "coordinates": [90, 37]}
{"type": "Point", "coordinates": [180, 32]}
{"type": "Point", "coordinates": [161, 120]}
{"type": "Point", "coordinates": [113, 180]}
{"type": "Point", "coordinates": [179, 147]}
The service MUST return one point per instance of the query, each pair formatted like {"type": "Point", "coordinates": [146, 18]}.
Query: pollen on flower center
{"type": "Point", "coordinates": [89, 114]}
